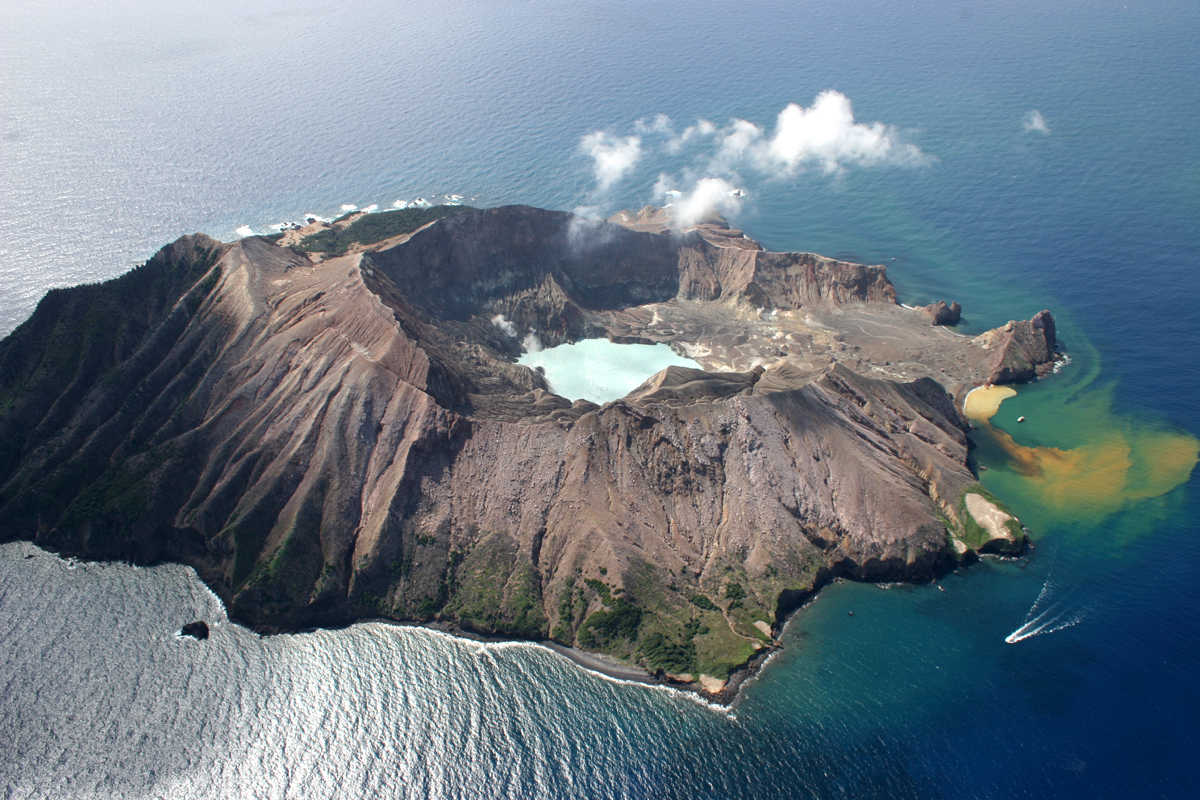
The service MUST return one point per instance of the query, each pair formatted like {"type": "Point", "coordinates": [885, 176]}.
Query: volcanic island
{"type": "Point", "coordinates": [330, 425]}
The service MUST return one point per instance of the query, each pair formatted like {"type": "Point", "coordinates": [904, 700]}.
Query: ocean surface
{"type": "Point", "coordinates": [1068, 673]}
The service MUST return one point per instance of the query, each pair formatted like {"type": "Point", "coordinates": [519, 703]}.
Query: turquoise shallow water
{"type": "Point", "coordinates": [600, 371]}
{"type": "Point", "coordinates": [123, 127]}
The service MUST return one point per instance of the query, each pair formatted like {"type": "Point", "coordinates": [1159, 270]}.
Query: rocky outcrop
{"type": "Point", "coordinates": [197, 630]}
{"type": "Point", "coordinates": [331, 439]}
{"type": "Point", "coordinates": [942, 314]}
{"type": "Point", "coordinates": [1021, 350]}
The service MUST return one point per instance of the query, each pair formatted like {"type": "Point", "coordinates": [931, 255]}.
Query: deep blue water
{"type": "Point", "coordinates": [124, 127]}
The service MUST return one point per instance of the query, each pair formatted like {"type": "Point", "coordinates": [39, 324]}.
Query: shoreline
{"type": "Point", "coordinates": [605, 666]}
{"type": "Point", "coordinates": [271, 602]}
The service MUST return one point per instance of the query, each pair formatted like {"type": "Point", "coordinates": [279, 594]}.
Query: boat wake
{"type": "Point", "coordinates": [1045, 618]}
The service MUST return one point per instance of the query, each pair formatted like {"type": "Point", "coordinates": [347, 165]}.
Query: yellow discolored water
{"type": "Point", "coordinates": [1115, 463]}
{"type": "Point", "coordinates": [982, 402]}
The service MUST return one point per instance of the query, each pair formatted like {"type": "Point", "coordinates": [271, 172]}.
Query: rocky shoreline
{"type": "Point", "coordinates": [332, 427]}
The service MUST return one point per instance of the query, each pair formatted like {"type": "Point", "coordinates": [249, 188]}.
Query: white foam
{"type": "Point", "coordinates": [656, 687]}
{"type": "Point", "coordinates": [488, 649]}
{"type": "Point", "coordinates": [1039, 620]}
{"type": "Point", "coordinates": [1031, 629]}
{"type": "Point", "coordinates": [242, 231]}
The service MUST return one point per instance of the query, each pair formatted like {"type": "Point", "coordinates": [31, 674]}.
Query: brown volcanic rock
{"type": "Point", "coordinates": [1021, 350]}
{"type": "Point", "coordinates": [349, 438]}
{"type": "Point", "coordinates": [944, 314]}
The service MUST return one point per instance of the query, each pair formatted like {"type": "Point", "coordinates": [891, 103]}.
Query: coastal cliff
{"type": "Point", "coordinates": [331, 428]}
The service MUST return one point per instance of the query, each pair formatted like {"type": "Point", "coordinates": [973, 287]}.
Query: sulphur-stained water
{"type": "Point", "coordinates": [1070, 453]}
{"type": "Point", "coordinates": [600, 370]}
{"type": "Point", "coordinates": [982, 402]}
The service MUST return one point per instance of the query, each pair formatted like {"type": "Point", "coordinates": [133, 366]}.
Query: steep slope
{"type": "Point", "coordinates": [327, 439]}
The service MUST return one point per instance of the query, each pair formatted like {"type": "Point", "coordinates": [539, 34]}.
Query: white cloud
{"type": "Point", "coordinates": [1034, 122]}
{"type": "Point", "coordinates": [823, 137]}
{"type": "Point", "coordinates": [663, 190]}
{"type": "Point", "coordinates": [708, 197]}
{"type": "Point", "coordinates": [612, 156]}
{"type": "Point", "coordinates": [738, 142]}
{"type": "Point", "coordinates": [701, 129]}
{"type": "Point", "coordinates": [659, 123]}
{"type": "Point", "coordinates": [826, 134]}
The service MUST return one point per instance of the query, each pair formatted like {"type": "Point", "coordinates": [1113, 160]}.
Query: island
{"type": "Point", "coordinates": [329, 425]}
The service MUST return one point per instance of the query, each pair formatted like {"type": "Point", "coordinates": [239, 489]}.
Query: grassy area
{"type": "Point", "coordinates": [371, 228]}
{"type": "Point", "coordinates": [720, 650]}
{"type": "Point", "coordinates": [496, 590]}
{"type": "Point", "coordinates": [975, 535]}
{"type": "Point", "coordinates": [621, 620]}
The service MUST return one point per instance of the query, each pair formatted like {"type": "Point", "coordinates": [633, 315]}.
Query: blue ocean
{"type": "Point", "coordinates": [1012, 155]}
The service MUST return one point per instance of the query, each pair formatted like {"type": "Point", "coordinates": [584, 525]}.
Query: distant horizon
{"type": "Point", "coordinates": [1011, 157]}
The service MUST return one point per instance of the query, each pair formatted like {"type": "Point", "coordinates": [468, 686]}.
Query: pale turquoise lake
{"type": "Point", "coordinates": [599, 370]}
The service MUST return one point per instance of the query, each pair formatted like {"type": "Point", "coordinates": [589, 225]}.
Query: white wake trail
{"type": "Point", "coordinates": [1049, 619]}
{"type": "Point", "coordinates": [1031, 629]}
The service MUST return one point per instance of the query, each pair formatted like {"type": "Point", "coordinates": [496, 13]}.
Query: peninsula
{"type": "Point", "coordinates": [330, 425]}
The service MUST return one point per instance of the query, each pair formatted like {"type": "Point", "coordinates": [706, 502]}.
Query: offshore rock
{"type": "Point", "coordinates": [942, 314]}
{"type": "Point", "coordinates": [196, 630]}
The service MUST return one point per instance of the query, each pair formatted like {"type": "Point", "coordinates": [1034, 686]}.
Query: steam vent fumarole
{"type": "Point", "coordinates": [328, 426]}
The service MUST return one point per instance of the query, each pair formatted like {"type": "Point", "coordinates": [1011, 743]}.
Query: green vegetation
{"type": "Point", "coordinates": [571, 607]}
{"type": "Point", "coordinates": [601, 589]}
{"type": "Point", "coordinates": [496, 590]}
{"type": "Point", "coordinates": [621, 621]}
{"type": "Point", "coordinates": [702, 601]}
{"type": "Point", "coordinates": [972, 533]}
{"type": "Point", "coordinates": [662, 653]}
{"type": "Point", "coordinates": [121, 493]}
{"type": "Point", "coordinates": [720, 650]}
{"type": "Point", "coordinates": [371, 228]}
{"type": "Point", "coordinates": [523, 602]}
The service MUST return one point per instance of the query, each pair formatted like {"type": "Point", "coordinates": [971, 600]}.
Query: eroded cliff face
{"type": "Point", "coordinates": [331, 439]}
